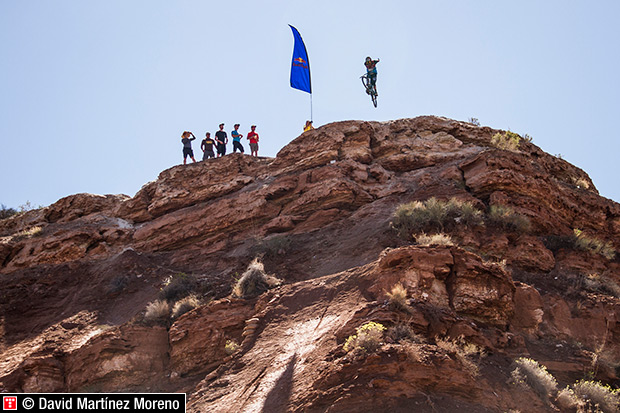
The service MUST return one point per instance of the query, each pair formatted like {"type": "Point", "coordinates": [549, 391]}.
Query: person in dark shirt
{"type": "Point", "coordinates": [207, 147]}
{"type": "Point", "coordinates": [222, 140]}
{"type": "Point", "coordinates": [187, 146]}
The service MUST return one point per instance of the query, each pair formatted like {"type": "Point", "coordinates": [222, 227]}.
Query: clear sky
{"type": "Point", "coordinates": [94, 95]}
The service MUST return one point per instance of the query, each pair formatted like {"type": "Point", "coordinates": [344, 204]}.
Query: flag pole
{"type": "Point", "coordinates": [311, 108]}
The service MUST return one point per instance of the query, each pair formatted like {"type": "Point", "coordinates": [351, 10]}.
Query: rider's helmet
{"type": "Point", "coordinates": [368, 59]}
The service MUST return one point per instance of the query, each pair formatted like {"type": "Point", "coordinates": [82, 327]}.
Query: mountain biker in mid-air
{"type": "Point", "coordinates": [371, 72]}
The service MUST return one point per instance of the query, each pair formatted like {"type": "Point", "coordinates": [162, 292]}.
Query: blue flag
{"type": "Point", "coordinates": [300, 68]}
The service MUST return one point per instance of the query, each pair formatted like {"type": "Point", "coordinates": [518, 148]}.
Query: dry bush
{"type": "Point", "coordinates": [597, 397]}
{"type": "Point", "coordinates": [402, 332]}
{"type": "Point", "coordinates": [529, 373]}
{"type": "Point", "coordinates": [567, 400]}
{"type": "Point", "coordinates": [601, 284]}
{"type": "Point", "coordinates": [505, 217]}
{"type": "Point", "coordinates": [254, 281]}
{"type": "Point", "coordinates": [398, 297]}
{"type": "Point", "coordinates": [368, 338]}
{"type": "Point", "coordinates": [184, 305]}
{"type": "Point", "coordinates": [231, 347]}
{"type": "Point", "coordinates": [179, 286]}
{"type": "Point", "coordinates": [581, 183]}
{"type": "Point", "coordinates": [439, 239]}
{"type": "Point", "coordinates": [434, 215]}
{"type": "Point", "coordinates": [594, 245]}
{"type": "Point", "coordinates": [274, 246]}
{"type": "Point", "coordinates": [508, 141]}
{"type": "Point", "coordinates": [463, 351]}
{"type": "Point", "coordinates": [158, 311]}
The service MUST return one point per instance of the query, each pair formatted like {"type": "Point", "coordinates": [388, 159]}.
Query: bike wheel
{"type": "Point", "coordinates": [374, 99]}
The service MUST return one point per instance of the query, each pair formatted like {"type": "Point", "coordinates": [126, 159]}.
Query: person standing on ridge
{"type": "Point", "coordinates": [187, 146]}
{"type": "Point", "coordinates": [371, 72]}
{"type": "Point", "coordinates": [207, 147]}
{"type": "Point", "coordinates": [237, 139]}
{"type": "Point", "coordinates": [222, 140]}
{"type": "Point", "coordinates": [308, 126]}
{"type": "Point", "coordinates": [253, 138]}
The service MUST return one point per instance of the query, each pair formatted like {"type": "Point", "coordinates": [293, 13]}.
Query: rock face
{"type": "Point", "coordinates": [78, 276]}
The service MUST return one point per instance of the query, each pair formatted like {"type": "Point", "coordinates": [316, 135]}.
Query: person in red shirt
{"type": "Point", "coordinates": [253, 138]}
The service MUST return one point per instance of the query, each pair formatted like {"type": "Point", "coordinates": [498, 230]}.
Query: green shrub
{"type": "Point", "coordinates": [505, 217]}
{"type": "Point", "coordinates": [474, 121]}
{"type": "Point", "coordinates": [6, 212]}
{"type": "Point", "coordinates": [508, 141]}
{"type": "Point", "coordinates": [529, 373]}
{"type": "Point", "coordinates": [254, 281]}
{"type": "Point", "coordinates": [368, 338]}
{"type": "Point", "coordinates": [434, 215]}
{"type": "Point", "coordinates": [179, 286]}
{"type": "Point", "coordinates": [597, 397]}
{"type": "Point", "coordinates": [184, 305]}
{"type": "Point", "coordinates": [231, 347]}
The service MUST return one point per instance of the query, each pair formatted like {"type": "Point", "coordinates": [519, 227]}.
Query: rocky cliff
{"type": "Point", "coordinates": [77, 277]}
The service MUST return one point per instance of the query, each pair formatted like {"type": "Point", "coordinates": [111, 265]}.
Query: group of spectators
{"type": "Point", "coordinates": [219, 143]}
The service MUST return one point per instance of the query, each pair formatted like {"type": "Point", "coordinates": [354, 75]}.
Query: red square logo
{"type": "Point", "coordinates": [9, 403]}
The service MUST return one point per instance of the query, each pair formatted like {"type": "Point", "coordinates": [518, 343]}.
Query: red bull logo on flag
{"type": "Point", "coordinates": [300, 67]}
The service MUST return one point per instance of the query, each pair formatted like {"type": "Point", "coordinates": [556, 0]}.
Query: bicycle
{"type": "Point", "coordinates": [370, 89]}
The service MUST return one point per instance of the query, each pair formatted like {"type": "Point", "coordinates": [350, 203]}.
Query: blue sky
{"type": "Point", "coordinates": [94, 95]}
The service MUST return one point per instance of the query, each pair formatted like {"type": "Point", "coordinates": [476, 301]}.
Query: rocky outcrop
{"type": "Point", "coordinates": [78, 275]}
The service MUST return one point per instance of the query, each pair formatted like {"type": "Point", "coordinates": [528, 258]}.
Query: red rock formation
{"type": "Point", "coordinates": [77, 277]}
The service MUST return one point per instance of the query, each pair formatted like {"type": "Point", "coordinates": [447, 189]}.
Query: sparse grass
{"type": "Point", "coordinates": [439, 239]}
{"type": "Point", "coordinates": [367, 340]}
{"type": "Point", "coordinates": [434, 215]}
{"type": "Point", "coordinates": [184, 305]}
{"type": "Point", "coordinates": [508, 141]}
{"type": "Point", "coordinates": [463, 351]}
{"type": "Point", "coordinates": [581, 183]}
{"type": "Point", "coordinates": [474, 121]}
{"type": "Point", "coordinates": [580, 241]}
{"type": "Point", "coordinates": [594, 245]}
{"type": "Point", "coordinates": [157, 311]}
{"type": "Point", "coordinates": [398, 298]}
{"type": "Point", "coordinates": [505, 217]}
{"type": "Point", "coordinates": [529, 373]}
{"type": "Point", "coordinates": [597, 397]}
{"type": "Point", "coordinates": [254, 281]}
{"type": "Point", "coordinates": [29, 232]}
{"type": "Point", "coordinates": [273, 246]}
{"type": "Point", "coordinates": [179, 286]}
{"type": "Point", "coordinates": [231, 347]}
